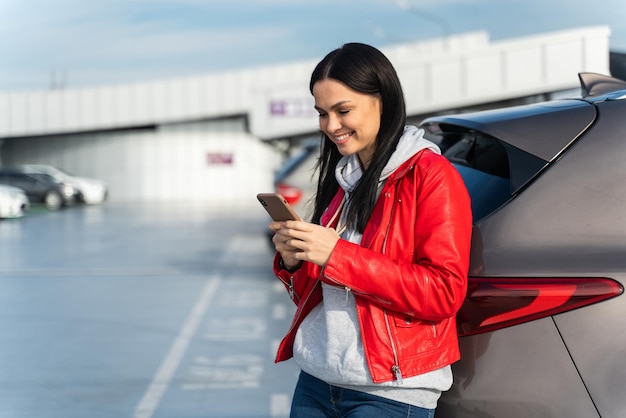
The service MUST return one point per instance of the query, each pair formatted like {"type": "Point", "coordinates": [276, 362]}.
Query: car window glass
{"type": "Point", "coordinates": [309, 150]}
{"type": "Point", "coordinates": [492, 170]}
{"type": "Point", "coordinates": [44, 178]}
{"type": "Point", "coordinates": [20, 180]}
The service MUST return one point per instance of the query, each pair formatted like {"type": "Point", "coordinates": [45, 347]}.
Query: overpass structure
{"type": "Point", "coordinates": [210, 138]}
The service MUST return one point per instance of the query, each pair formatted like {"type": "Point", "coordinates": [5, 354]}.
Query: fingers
{"type": "Point", "coordinates": [286, 246]}
{"type": "Point", "coordinates": [287, 251]}
{"type": "Point", "coordinates": [303, 241]}
{"type": "Point", "coordinates": [276, 226]}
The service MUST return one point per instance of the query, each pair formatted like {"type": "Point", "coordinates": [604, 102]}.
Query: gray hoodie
{"type": "Point", "coordinates": [328, 343]}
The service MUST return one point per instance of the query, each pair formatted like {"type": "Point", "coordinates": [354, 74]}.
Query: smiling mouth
{"type": "Point", "coordinates": [343, 138]}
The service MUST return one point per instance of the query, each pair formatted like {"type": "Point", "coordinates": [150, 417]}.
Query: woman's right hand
{"type": "Point", "coordinates": [281, 243]}
{"type": "Point", "coordinates": [298, 241]}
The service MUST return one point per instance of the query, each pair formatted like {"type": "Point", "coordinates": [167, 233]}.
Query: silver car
{"type": "Point", "coordinates": [542, 330]}
{"type": "Point", "coordinates": [89, 191]}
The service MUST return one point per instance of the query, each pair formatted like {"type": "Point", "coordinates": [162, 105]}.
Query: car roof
{"type": "Point", "coordinates": [17, 170]}
{"type": "Point", "coordinates": [541, 129]}
{"type": "Point", "coordinates": [37, 176]}
{"type": "Point", "coordinates": [561, 122]}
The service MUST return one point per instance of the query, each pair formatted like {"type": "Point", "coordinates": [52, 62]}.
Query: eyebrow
{"type": "Point", "coordinates": [335, 106]}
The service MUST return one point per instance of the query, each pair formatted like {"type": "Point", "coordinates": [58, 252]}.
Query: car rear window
{"type": "Point", "coordinates": [493, 171]}
{"type": "Point", "coordinates": [309, 149]}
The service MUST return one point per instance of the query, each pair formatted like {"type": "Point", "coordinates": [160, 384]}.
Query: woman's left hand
{"type": "Point", "coordinates": [314, 243]}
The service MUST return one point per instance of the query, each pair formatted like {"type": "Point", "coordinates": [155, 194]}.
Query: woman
{"type": "Point", "coordinates": [380, 272]}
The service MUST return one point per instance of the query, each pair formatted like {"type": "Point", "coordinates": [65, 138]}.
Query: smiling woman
{"type": "Point", "coordinates": [388, 244]}
{"type": "Point", "coordinates": [352, 119]}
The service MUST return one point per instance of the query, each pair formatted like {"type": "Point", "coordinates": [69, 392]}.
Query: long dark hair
{"type": "Point", "coordinates": [366, 70]}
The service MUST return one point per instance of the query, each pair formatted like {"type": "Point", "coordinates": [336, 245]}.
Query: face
{"type": "Point", "coordinates": [349, 118]}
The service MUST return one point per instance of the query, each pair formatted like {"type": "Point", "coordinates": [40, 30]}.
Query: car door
{"type": "Point", "coordinates": [33, 189]}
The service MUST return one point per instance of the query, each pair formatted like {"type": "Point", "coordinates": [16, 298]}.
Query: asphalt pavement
{"type": "Point", "coordinates": [141, 311]}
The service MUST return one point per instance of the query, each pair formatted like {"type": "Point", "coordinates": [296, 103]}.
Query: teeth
{"type": "Point", "coordinates": [342, 137]}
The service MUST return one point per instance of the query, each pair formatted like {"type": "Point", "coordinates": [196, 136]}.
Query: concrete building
{"type": "Point", "coordinates": [217, 138]}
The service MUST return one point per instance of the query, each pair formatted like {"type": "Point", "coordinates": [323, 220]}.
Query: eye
{"type": "Point", "coordinates": [322, 115]}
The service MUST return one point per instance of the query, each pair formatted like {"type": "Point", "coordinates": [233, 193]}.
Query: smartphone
{"type": "Point", "coordinates": [277, 207]}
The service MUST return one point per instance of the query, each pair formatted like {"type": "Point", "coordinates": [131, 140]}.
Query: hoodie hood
{"type": "Point", "coordinates": [349, 170]}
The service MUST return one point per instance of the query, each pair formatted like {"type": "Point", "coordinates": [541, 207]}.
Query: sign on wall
{"type": "Point", "coordinates": [220, 158]}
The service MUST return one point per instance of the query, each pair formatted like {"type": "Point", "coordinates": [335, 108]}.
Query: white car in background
{"type": "Point", "coordinates": [13, 202]}
{"type": "Point", "coordinates": [91, 191]}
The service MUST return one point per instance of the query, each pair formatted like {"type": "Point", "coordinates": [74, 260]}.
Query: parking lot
{"type": "Point", "coordinates": [141, 311]}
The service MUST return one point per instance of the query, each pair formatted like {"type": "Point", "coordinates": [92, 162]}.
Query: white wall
{"type": "Point", "coordinates": [170, 164]}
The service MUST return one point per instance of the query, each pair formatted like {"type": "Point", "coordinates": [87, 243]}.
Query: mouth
{"type": "Point", "coordinates": [342, 138]}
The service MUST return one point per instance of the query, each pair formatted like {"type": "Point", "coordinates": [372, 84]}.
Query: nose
{"type": "Point", "coordinates": [333, 124]}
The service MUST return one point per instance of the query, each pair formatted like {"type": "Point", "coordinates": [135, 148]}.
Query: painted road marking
{"type": "Point", "coordinates": [245, 298]}
{"type": "Point", "coordinates": [161, 381]}
{"type": "Point", "coordinates": [235, 329]}
{"type": "Point", "coordinates": [236, 371]}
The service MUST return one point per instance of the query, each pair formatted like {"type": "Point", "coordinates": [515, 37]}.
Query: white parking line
{"type": "Point", "coordinates": [161, 381]}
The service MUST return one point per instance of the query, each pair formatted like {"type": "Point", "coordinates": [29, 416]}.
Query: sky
{"type": "Point", "coordinates": [79, 43]}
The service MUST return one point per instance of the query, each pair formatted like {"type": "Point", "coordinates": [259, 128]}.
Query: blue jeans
{"type": "Point", "coordinates": [314, 398]}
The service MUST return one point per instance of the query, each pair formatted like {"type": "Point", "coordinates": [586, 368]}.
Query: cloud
{"type": "Point", "coordinates": [112, 39]}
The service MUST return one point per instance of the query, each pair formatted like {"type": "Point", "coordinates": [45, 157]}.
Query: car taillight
{"type": "Point", "coordinates": [495, 303]}
{"type": "Point", "coordinates": [291, 194]}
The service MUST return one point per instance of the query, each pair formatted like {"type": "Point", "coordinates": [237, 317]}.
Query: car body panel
{"type": "Point", "coordinates": [566, 221]}
{"type": "Point", "coordinates": [598, 350]}
{"type": "Point", "coordinates": [527, 235]}
{"type": "Point", "coordinates": [595, 226]}
{"type": "Point", "coordinates": [514, 373]}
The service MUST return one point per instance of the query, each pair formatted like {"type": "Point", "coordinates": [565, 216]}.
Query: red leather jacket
{"type": "Point", "coordinates": [408, 275]}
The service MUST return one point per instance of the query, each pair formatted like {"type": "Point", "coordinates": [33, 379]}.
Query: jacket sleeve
{"type": "Point", "coordinates": [432, 283]}
{"type": "Point", "coordinates": [298, 282]}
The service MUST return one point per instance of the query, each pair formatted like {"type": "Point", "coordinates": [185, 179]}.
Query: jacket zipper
{"type": "Point", "coordinates": [395, 368]}
{"type": "Point", "coordinates": [290, 289]}
{"type": "Point", "coordinates": [292, 292]}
